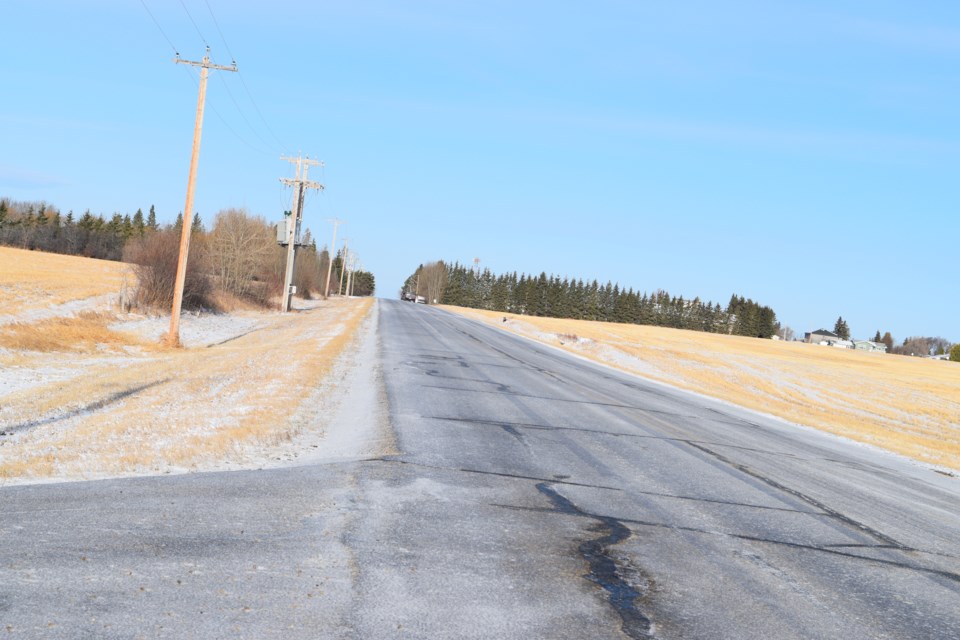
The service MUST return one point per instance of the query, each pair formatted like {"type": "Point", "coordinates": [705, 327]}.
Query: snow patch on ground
{"type": "Point", "coordinates": [196, 330]}
{"type": "Point", "coordinates": [66, 309]}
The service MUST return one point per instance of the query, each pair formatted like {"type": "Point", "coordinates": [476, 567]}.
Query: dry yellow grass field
{"type": "Point", "coordinates": [36, 280]}
{"type": "Point", "coordinates": [80, 398]}
{"type": "Point", "coordinates": [144, 411]}
{"type": "Point", "coordinates": [910, 406]}
{"type": "Point", "coordinates": [86, 332]}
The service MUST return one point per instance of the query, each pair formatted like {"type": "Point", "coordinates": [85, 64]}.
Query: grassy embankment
{"type": "Point", "coordinates": [910, 406]}
{"type": "Point", "coordinates": [103, 402]}
{"type": "Point", "coordinates": [33, 280]}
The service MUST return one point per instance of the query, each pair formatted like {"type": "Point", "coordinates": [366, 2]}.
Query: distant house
{"type": "Point", "coordinates": [842, 344]}
{"type": "Point", "coordinates": [868, 345]}
{"type": "Point", "coordinates": [820, 336]}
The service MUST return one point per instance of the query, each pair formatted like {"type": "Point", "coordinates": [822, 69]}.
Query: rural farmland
{"type": "Point", "coordinates": [480, 321]}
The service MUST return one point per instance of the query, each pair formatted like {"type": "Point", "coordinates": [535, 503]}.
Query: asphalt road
{"type": "Point", "coordinates": [532, 495]}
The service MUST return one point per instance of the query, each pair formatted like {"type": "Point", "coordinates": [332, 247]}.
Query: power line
{"type": "Point", "coordinates": [243, 82]}
{"type": "Point", "coordinates": [162, 32]}
{"type": "Point", "coordinates": [259, 113]}
{"type": "Point", "coordinates": [240, 111]}
{"type": "Point", "coordinates": [217, 25]}
{"type": "Point", "coordinates": [237, 135]}
{"type": "Point", "coordinates": [223, 120]}
{"type": "Point", "coordinates": [233, 99]}
{"type": "Point", "coordinates": [187, 11]}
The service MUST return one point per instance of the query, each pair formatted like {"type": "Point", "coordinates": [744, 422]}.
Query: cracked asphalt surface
{"type": "Point", "coordinates": [534, 495]}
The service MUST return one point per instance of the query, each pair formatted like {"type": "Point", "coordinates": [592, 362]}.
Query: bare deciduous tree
{"type": "Point", "coordinates": [242, 249]}
{"type": "Point", "coordinates": [433, 280]}
{"type": "Point", "coordinates": [154, 258]}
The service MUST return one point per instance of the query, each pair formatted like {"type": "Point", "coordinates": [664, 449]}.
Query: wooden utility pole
{"type": "Point", "coordinates": [300, 184]}
{"type": "Point", "coordinates": [333, 247]}
{"type": "Point", "coordinates": [355, 266]}
{"type": "Point", "coordinates": [173, 336]}
{"type": "Point", "coordinates": [343, 264]}
{"type": "Point", "coordinates": [353, 263]}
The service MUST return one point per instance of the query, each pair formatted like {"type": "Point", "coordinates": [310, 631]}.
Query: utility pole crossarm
{"type": "Point", "coordinates": [306, 161]}
{"type": "Point", "coordinates": [307, 184]}
{"type": "Point", "coordinates": [205, 63]}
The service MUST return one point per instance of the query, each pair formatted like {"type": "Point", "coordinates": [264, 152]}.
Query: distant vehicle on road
{"type": "Point", "coordinates": [408, 297]}
{"type": "Point", "coordinates": [421, 300]}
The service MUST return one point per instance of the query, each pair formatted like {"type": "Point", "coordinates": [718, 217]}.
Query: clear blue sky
{"type": "Point", "coordinates": [801, 154]}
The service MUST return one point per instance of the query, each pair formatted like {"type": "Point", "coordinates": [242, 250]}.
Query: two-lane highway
{"type": "Point", "coordinates": [688, 518]}
{"type": "Point", "coordinates": [532, 495]}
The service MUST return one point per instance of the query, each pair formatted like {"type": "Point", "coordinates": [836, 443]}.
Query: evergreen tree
{"type": "Point", "coordinates": [841, 329]}
{"type": "Point", "coordinates": [127, 230]}
{"type": "Point", "coordinates": [116, 225]}
{"type": "Point", "coordinates": [196, 226]}
{"type": "Point", "coordinates": [877, 337]}
{"type": "Point", "coordinates": [593, 301]}
{"type": "Point", "coordinates": [152, 220]}
{"type": "Point", "coordinates": [499, 294]}
{"type": "Point", "coordinates": [87, 221]}
{"type": "Point", "coordinates": [767, 322]}
{"type": "Point", "coordinates": [518, 301]}
{"type": "Point", "coordinates": [139, 226]}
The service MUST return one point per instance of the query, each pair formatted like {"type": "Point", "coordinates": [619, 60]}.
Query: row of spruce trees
{"type": "Point", "coordinates": [38, 226]}
{"type": "Point", "coordinates": [552, 296]}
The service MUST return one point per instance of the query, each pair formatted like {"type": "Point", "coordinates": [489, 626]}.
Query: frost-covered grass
{"type": "Point", "coordinates": [154, 411]}
{"type": "Point", "coordinates": [907, 405]}
{"type": "Point", "coordinates": [93, 394]}
{"type": "Point", "coordinates": [87, 331]}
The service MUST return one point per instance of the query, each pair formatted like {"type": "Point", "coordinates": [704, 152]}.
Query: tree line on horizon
{"type": "Point", "coordinates": [238, 257]}
{"type": "Point", "coordinates": [552, 296]}
{"type": "Point", "coordinates": [39, 226]}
